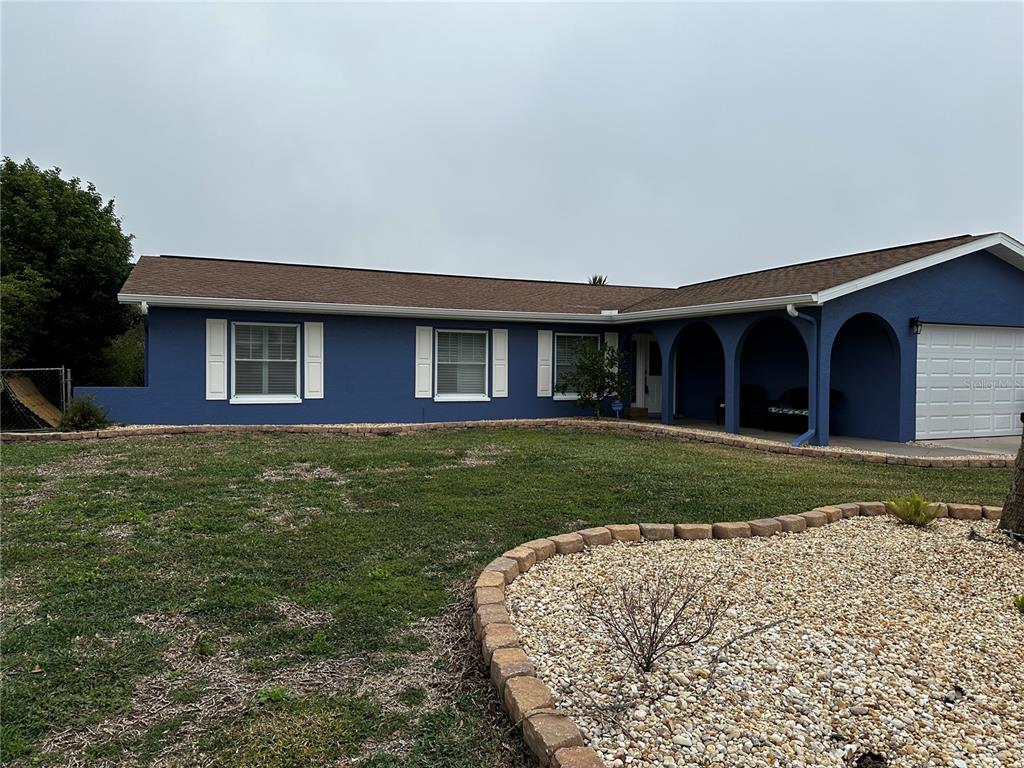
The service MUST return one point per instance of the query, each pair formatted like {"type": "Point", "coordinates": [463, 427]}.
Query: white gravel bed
{"type": "Point", "coordinates": [898, 640]}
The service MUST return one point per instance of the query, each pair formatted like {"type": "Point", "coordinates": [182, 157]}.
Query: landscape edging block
{"type": "Point", "coordinates": [642, 429]}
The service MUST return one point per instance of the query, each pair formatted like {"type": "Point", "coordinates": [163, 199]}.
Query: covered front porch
{"type": "Point", "coordinates": [801, 375]}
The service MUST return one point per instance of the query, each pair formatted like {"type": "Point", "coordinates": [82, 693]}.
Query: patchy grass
{"type": "Point", "coordinates": [299, 600]}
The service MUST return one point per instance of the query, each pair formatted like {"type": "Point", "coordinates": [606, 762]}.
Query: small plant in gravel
{"type": "Point", "coordinates": [649, 617]}
{"type": "Point", "coordinates": [912, 509]}
{"type": "Point", "coordinates": [1018, 603]}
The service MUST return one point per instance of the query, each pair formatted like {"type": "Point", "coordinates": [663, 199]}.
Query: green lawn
{"type": "Point", "coordinates": [298, 600]}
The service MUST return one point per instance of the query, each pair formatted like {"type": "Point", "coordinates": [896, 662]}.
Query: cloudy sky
{"type": "Point", "coordinates": [660, 144]}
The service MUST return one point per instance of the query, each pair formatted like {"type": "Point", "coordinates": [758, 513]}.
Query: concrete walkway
{"type": "Point", "coordinates": [977, 446]}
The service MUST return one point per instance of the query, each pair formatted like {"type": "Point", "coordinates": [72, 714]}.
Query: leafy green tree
{"type": "Point", "coordinates": [598, 374]}
{"type": "Point", "coordinates": [63, 258]}
{"type": "Point", "coordinates": [124, 359]}
{"type": "Point", "coordinates": [598, 280]}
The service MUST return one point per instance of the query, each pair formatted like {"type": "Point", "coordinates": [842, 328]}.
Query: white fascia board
{"type": "Point", "coordinates": [668, 313]}
{"type": "Point", "coordinates": [307, 307]}
{"type": "Point", "coordinates": [1006, 248]}
{"type": "Point", "coordinates": [723, 308]}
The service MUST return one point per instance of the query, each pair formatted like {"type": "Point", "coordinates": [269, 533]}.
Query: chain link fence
{"type": "Point", "coordinates": [33, 398]}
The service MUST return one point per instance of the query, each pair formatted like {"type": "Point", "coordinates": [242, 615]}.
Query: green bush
{"type": "Point", "coordinates": [912, 509]}
{"type": "Point", "coordinates": [83, 413]}
{"type": "Point", "coordinates": [1018, 603]}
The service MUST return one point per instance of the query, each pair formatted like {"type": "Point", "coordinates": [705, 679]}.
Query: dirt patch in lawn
{"type": "Point", "coordinates": [17, 606]}
{"type": "Point", "coordinates": [302, 616]}
{"type": "Point", "coordinates": [486, 455]}
{"type": "Point", "coordinates": [301, 471]}
{"type": "Point", "coordinates": [204, 681]}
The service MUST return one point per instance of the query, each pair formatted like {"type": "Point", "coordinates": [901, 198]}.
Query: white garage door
{"type": "Point", "coordinates": [970, 381]}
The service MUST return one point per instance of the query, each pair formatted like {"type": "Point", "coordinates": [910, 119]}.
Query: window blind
{"type": "Point", "coordinates": [266, 358]}
{"type": "Point", "coordinates": [461, 363]}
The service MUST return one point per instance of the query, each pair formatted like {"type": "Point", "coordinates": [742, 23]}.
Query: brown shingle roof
{"type": "Point", "coordinates": [796, 279]}
{"type": "Point", "coordinates": [224, 278]}
{"type": "Point", "coordinates": [230, 279]}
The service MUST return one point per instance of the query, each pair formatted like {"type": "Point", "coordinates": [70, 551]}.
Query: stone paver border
{"type": "Point", "coordinates": [672, 432]}
{"type": "Point", "coordinates": [552, 736]}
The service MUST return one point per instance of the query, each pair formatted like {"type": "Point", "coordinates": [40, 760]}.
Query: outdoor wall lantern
{"type": "Point", "coordinates": [915, 325]}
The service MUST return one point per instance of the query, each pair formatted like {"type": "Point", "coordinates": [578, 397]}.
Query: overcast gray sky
{"type": "Point", "coordinates": [660, 144]}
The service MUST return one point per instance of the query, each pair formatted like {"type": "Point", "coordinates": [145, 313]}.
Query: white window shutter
{"type": "Point", "coordinates": [216, 359]}
{"type": "Point", "coordinates": [499, 353]}
{"type": "Point", "coordinates": [313, 354]}
{"type": "Point", "coordinates": [424, 360]}
{"type": "Point", "coordinates": [544, 339]}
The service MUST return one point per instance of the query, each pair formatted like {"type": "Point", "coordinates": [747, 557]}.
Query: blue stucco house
{"type": "Point", "coordinates": [922, 341]}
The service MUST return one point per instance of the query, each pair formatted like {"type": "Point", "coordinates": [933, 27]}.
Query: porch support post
{"type": "Point", "coordinates": [811, 333]}
{"type": "Point", "coordinates": [826, 335]}
{"type": "Point", "coordinates": [730, 333]}
{"type": "Point", "coordinates": [666, 338]}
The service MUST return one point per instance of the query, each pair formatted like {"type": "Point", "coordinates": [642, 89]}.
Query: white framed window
{"type": "Point", "coordinates": [565, 358]}
{"type": "Point", "coordinates": [265, 363]}
{"type": "Point", "coordinates": [460, 365]}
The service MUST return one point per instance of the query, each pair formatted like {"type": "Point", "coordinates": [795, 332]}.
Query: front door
{"type": "Point", "coordinates": [648, 373]}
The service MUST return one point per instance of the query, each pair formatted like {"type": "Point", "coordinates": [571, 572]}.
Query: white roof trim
{"type": "Point", "coordinates": [722, 308]}
{"type": "Point", "coordinates": [1003, 246]}
{"type": "Point", "coordinates": [267, 305]}
{"type": "Point", "coordinates": [271, 305]}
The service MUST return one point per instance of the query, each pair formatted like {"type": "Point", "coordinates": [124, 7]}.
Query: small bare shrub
{"type": "Point", "coordinates": [912, 509]}
{"type": "Point", "coordinates": [83, 413]}
{"type": "Point", "coordinates": [649, 617]}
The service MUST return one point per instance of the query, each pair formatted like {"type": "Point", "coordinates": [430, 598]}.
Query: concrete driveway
{"type": "Point", "coordinates": [1009, 444]}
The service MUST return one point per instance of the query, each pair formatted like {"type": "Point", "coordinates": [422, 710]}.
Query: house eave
{"type": "Point", "coordinates": [373, 310]}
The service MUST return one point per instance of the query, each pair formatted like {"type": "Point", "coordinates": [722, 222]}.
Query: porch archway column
{"type": "Point", "coordinates": [808, 323]}
{"type": "Point", "coordinates": [730, 332]}
{"type": "Point", "coordinates": [827, 330]}
{"type": "Point", "coordinates": [823, 416]}
{"type": "Point", "coordinates": [666, 336]}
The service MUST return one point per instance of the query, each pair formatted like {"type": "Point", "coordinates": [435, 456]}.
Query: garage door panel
{"type": "Point", "coordinates": [970, 381]}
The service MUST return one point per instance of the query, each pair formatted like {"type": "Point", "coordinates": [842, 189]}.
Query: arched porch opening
{"type": "Point", "coordinates": [865, 377]}
{"type": "Point", "coordinates": [700, 374]}
{"type": "Point", "coordinates": [773, 377]}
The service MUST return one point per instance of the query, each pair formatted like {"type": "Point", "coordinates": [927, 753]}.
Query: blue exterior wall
{"type": "Point", "coordinates": [369, 362]}
{"type": "Point", "coordinates": [369, 368]}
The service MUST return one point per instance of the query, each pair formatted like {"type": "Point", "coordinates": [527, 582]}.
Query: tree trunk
{"type": "Point", "coordinates": [1013, 508]}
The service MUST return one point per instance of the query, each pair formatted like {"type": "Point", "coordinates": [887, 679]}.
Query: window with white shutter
{"type": "Point", "coordinates": [460, 365]}
{"type": "Point", "coordinates": [265, 363]}
{"type": "Point", "coordinates": [566, 345]}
